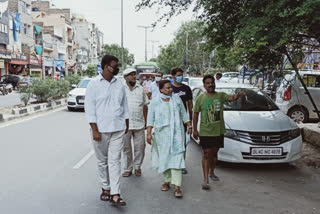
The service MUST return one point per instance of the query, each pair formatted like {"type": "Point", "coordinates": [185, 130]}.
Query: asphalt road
{"type": "Point", "coordinates": [42, 173]}
{"type": "Point", "coordinates": [10, 99]}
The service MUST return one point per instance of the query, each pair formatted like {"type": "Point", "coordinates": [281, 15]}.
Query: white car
{"type": "Point", "coordinates": [256, 130]}
{"type": "Point", "coordinates": [76, 96]}
{"type": "Point", "coordinates": [195, 82]}
{"type": "Point", "coordinates": [292, 99]}
{"type": "Point", "coordinates": [230, 77]}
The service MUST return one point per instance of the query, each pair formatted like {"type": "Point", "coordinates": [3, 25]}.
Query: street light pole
{"type": "Point", "coordinates": [122, 58]}
{"type": "Point", "coordinates": [146, 39]}
{"type": "Point", "coordinates": [152, 41]}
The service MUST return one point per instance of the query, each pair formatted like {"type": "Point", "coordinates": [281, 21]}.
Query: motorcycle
{"type": "Point", "coordinates": [3, 89]}
{"type": "Point", "coordinates": [9, 87]}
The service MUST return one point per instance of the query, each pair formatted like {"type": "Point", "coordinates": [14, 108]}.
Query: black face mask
{"type": "Point", "coordinates": [115, 71]}
{"type": "Point", "coordinates": [132, 83]}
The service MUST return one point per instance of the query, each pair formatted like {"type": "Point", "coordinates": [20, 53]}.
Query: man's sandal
{"type": "Point", "coordinates": [126, 174]}
{"type": "Point", "coordinates": [105, 195]}
{"type": "Point", "coordinates": [177, 193]}
{"type": "Point", "coordinates": [118, 202]}
{"type": "Point", "coordinates": [165, 187]}
{"type": "Point", "coordinates": [138, 172]}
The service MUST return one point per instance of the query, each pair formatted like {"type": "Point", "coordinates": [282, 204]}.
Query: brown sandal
{"type": "Point", "coordinates": [105, 195]}
{"type": "Point", "coordinates": [177, 193]}
{"type": "Point", "coordinates": [126, 174]}
{"type": "Point", "coordinates": [138, 172]}
{"type": "Point", "coordinates": [165, 187]}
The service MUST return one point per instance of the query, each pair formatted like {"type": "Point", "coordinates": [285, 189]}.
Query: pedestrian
{"type": "Point", "coordinates": [166, 115]}
{"type": "Point", "coordinates": [138, 109]}
{"type": "Point", "coordinates": [218, 78]}
{"type": "Point", "coordinates": [106, 110]}
{"type": "Point", "coordinates": [212, 127]}
{"type": "Point", "coordinates": [185, 93]}
{"type": "Point", "coordinates": [153, 90]}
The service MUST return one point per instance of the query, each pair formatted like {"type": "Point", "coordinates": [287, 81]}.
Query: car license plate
{"type": "Point", "coordinates": [81, 101]}
{"type": "Point", "coordinates": [265, 151]}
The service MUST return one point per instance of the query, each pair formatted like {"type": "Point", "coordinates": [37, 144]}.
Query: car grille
{"type": "Point", "coordinates": [264, 138]}
{"type": "Point", "coordinates": [247, 156]}
{"type": "Point", "coordinates": [71, 103]}
{"type": "Point", "coordinates": [80, 98]}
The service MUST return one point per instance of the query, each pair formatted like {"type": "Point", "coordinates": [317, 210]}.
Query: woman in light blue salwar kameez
{"type": "Point", "coordinates": [167, 115]}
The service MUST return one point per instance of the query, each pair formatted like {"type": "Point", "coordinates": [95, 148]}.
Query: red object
{"type": "Point", "coordinates": [287, 93]}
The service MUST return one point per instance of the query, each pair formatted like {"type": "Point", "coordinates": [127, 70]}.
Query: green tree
{"type": "Point", "coordinates": [115, 50]}
{"type": "Point", "coordinates": [91, 71]}
{"type": "Point", "coordinates": [263, 31]}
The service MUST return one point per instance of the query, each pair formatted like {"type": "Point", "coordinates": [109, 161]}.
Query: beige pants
{"type": "Point", "coordinates": [108, 153]}
{"type": "Point", "coordinates": [135, 158]}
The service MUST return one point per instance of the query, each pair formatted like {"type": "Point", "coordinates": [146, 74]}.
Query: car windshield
{"type": "Point", "coordinates": [195, 82]}
{"type": "Point", "coordinates": [83, 84]}
{"type": "Point", "coordinates": [254, 100]}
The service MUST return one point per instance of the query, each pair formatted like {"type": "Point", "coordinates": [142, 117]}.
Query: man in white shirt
{"type": "Point", "coordinates": [106, 109]}
{"type": "Point", "coordinates": [154, 86]}
{"type": "Point", "coordinates": [218, 78]}
{"type": "Point", "coordinates": [137, 102]}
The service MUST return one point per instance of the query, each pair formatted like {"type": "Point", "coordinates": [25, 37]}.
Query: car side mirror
{"type": "Point", "coordinates": [73, 86]}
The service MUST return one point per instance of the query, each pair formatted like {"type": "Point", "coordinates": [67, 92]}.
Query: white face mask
{"type": "Point", "coordinates": [163, 96]}
{"type": "Point", "coordinates": [158, 79]}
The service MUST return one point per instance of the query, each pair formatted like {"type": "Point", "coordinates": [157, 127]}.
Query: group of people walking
{"type": "Point", "coordinates": [119, 113]}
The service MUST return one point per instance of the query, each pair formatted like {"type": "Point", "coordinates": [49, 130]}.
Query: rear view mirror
{"type": "Point", "coordinates": [73, 85]}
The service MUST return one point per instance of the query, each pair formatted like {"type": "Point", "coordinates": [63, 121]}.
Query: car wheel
{"type": "Point", "coordinates": [298, 114]}
{"type": "Point", "coordinates": [70, 109]}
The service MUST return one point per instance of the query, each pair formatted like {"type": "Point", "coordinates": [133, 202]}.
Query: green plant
{"type": "Point", "coordinates": [73, 79]}
{"type": "Point", "coordinates": [25, 94]}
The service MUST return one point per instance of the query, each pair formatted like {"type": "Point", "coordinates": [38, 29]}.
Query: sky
{"type": "Point", "coordinates": [106, 14]}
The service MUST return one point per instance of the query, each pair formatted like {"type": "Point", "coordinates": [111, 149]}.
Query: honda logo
{"type": "Point", "coordinates": [265, 139]}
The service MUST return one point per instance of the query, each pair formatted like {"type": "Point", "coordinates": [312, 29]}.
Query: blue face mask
{"type": "Point", "coordinates": [179, 79]}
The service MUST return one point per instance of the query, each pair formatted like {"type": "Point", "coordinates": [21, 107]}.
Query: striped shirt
{"type": "Point", "coordinates": [137, 99]}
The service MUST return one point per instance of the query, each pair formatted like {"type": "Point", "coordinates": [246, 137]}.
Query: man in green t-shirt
{"type": "Point", "coordinates": [212, 128]}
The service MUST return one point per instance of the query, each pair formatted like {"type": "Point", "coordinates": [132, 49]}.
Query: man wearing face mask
{"type": "Point", "coordinates": [184, 92]}
{"type": "Point", "coordinates": [106, 109]}
{"type": "Point", "coordinates": [153, 90]}
{"type": "Point", "coordinates": [137, 102]}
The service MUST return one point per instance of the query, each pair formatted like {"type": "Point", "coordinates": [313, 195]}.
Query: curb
{"type": "Point", "coordinates": [311, 133]}
{"type": "Point", "coordinates": [33, 109]}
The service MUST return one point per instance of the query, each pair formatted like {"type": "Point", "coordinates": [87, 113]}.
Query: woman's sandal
{"type": "Point", "coordinates": [177, 193]}
{"type": "Point", "coordinates": [205, 186]}
{"type": "Point", "coordinates": [118, 202]}
{"type": "Point", "coordinates": [165, 187]}
{"type": "Point", "coordinates": [105, 195]}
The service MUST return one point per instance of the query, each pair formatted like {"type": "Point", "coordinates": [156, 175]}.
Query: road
{"type": "Point", "coordinates": [47, 167]}
{"type": "Point", "coordinates": [10, 99]}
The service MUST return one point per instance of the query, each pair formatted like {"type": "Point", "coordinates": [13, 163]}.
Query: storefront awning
{"type": "Point", "coordinates": [18, 63]}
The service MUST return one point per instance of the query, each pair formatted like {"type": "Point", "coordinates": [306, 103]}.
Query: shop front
{"type": "Point", "coordinates": [18, 64]}
{"type": "Point", "coordinates": [35, 65]}
{"type": "Point", "coordinates": [5, 58]}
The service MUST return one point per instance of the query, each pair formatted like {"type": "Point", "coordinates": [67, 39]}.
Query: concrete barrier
{"type": "Point", "coordinates": [311, 133]}
{"type": "Point", "coordinates": [32, 109]}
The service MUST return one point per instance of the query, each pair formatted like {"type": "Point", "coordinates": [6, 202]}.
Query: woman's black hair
{"type": "Point", "coordinates": [162, 83]}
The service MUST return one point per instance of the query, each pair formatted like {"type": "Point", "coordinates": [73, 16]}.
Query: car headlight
{"type": "Point", "coordinates": [231, 134]}
{"type": "Point", "coordinates": [71, 96]}
{"type": "Point", "coordinates": [294, 133]}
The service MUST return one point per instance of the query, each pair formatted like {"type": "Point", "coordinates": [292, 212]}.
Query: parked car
{"type": "Point", "coordinates": [76, 96]}
{"type": "Point", "coordinates": [292, 99]}
{"type": "Point", "coordinates": [195, 82]}
{"type": "Point", "coordinates": [256, 130]}
{"type": "Point", "coordinates": [14, 80]}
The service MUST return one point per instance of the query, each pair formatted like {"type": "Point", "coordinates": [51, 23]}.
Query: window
{"type": "Point", "coordinates": [312, 80]}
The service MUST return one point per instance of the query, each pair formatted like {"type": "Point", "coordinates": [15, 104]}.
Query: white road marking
{"type": "Point", "coordinates": [83, 160]}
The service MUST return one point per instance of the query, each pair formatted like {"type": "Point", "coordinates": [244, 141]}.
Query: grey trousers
{"type": "Point", "coordinates": [108, 153]}
{"type": "Point", "coordinates": [139, 144]}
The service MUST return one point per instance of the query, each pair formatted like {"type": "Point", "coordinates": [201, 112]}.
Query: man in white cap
{"type": "Point", "coordinates": [137, 102]}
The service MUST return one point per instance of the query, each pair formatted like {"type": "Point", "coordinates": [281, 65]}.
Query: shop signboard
{"type": "Point", "coordinates": [35, 60]}
{"type": "Point", "coordinates": [2, 63]}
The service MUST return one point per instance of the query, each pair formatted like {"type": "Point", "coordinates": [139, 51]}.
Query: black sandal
{"type": "Point", "coordinates": [118, 202]}
{"type": "Point", "coordinates": [105, 195]}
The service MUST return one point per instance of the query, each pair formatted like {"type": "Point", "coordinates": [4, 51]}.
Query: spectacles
{"type": "Point", "coordinates": [114, 67]}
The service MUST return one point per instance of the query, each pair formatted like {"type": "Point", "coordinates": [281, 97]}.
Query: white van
{"type": "Point", "coordinates": [292, 99]}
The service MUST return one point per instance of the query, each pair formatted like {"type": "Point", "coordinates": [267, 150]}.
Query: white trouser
{"type": "Point", "coordinates": [108, 153]}
{"type": "Point", "coordinates": [138, 138]}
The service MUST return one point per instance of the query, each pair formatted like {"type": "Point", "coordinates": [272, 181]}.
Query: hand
{"type": "Point", "coordinates": [96, 135]}
{"type": "Point", "coordinates": [195, 134]}
{"type": "Point", "coordinates": [190, 130]}
{"type": "Point", "coordinates": [149, 139]}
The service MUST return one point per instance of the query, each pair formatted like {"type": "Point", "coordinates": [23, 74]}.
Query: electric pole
{"type": "Point", "coordinates": [146, 39]}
